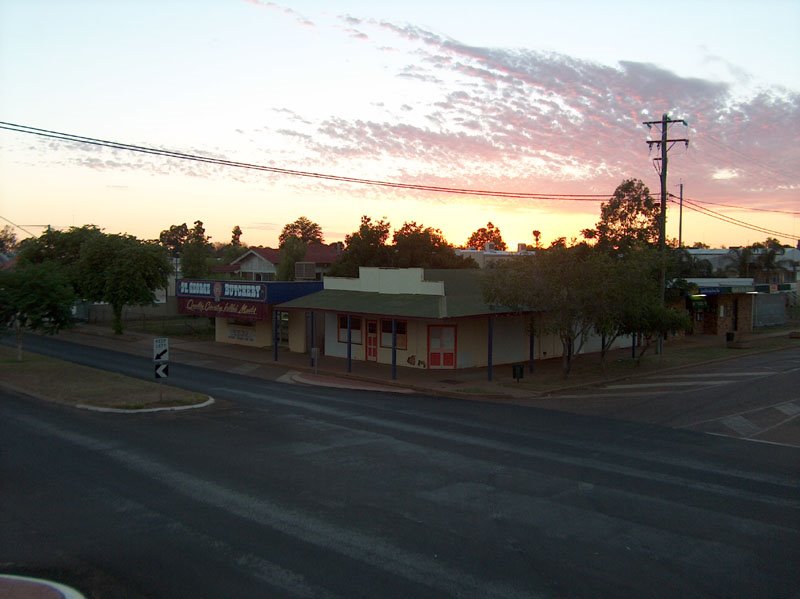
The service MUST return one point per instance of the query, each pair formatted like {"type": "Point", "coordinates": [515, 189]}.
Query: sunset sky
{"type": "Point", "coordinates": [521, 96]}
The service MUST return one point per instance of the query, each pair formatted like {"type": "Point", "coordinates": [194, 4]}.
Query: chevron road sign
{"type": "Point", "coordinates": [162, 370]}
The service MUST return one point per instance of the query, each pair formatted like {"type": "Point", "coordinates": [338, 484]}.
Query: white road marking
{"type": "Point", "coordinates": [707, 374]}
{"type": "Point", "coordinates": [667, 383]}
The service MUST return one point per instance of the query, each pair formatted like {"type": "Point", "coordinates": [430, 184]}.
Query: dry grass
{"type": "Point", "coordinates": [72, 384]}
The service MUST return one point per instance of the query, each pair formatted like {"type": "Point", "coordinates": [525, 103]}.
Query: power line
{"type": "Point", "coordinates": [745, 207]}
{"type": "Point", "coordinates": [20, 227]}
{"type": "Point", "coordinates": [297, 173]}
{"type": "Point", "coordinates": [754, 161]}
{"type": "Point", "coordinates": [730, 220]}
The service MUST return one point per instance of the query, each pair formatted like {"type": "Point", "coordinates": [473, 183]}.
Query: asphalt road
{"type": "Point", "coordinates": [288, 491]}
{"type": "Point", "coordinates": [756, 397]}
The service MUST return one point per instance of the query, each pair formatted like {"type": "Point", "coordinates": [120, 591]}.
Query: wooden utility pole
{"type": "Point", "coordinates": [680, 219]}
{"type": "Point", "coordinates": [664, 144]}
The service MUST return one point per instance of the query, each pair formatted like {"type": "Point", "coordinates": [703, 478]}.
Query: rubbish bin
{"type": "Point", "coordinates": [517, 371]}
{"type": "Point", "coordinates": [730, 337]}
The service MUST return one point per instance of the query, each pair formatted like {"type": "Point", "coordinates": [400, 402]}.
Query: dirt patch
{"type": "Point", "coordinates": [68, 383]}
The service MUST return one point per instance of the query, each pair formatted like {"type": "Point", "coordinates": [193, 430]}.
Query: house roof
{"type": "Point", "coordinates": [462, 297]}
{"type": "Point", "coordinates": [319, 253]}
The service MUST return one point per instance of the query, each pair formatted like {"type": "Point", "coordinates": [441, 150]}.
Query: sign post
{"type": "Point", "coordinates": [161, 357]}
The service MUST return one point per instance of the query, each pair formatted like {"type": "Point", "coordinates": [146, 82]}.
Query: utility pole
{"type": "Point", "coordinates": [680, 219]}
{"type": "Point", "coordinates": [665, 144]}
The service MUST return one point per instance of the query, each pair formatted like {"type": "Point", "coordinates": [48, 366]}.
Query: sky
{"type": "Point", "coordinates": [534, 97]}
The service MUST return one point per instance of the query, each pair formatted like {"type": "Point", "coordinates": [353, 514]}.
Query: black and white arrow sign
{"type": "Point", "coordinates": [162, 371]}
{"type": "Point", "coordinates": [160, 349]}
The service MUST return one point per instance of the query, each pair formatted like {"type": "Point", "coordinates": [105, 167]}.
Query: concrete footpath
{"type": "Point", "coordinates": [470, 383]}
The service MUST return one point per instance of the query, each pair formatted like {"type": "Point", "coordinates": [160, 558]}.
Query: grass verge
{"type": "Point", "coordinates": [72, 384]}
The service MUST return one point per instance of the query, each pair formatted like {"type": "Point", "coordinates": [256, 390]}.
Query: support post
{"type": "Point", "coordinates": [349, 345]}
{"type": "Point", "coordinates": [531, 350]}
{"type": "Point", "coordinates": [394, 349]}
{"type": "Point", "coordinates": [275, 334]}
{"type": "Point", "coordinates": [490, 347]}
{"type": "Point", "coordinates": [313, 336]}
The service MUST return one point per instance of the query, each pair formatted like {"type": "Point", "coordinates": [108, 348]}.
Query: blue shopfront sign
{"type": "Point", "coordinates": [222, 290]}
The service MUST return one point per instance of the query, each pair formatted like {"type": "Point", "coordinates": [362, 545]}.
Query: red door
{"type": "Point", "coordinates": [372, 340]}
{"type": "Point", "coordinates": [441, 347]}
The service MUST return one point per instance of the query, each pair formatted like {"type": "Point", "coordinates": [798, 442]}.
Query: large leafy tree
{"type": "Point", "coordinates": [292, 251]}
{"type": "Point", "coordinates": [416, 245]}
{"type": "Point", "coordinates": [122, 270]}
{"type": "Point", "coordinates": [196, 253]}
{"type": "Point", "coordinates": [36, 297]}
{"type": "Point", "coordinates": [174, 239]}
{"type": "Point", "coordinates": [629, 219]}
{"type": "Point", "coordinates": [558, 284]}
{"type": "Point", "coordinates": [60, 247]}
{"type": "Point", "coordinates": [365, 247]}
{"type": "Point", "coordinates": [304, 229]}
{"type": "Point", "coordinates": [484, 235]}
{"type": "Point", "coordinates": [575, 290]}
{"type": "Point", "coordinates": [629, 300]}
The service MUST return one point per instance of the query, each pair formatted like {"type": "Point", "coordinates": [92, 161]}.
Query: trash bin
{"type": "Point", "coordinates": [730, 337]}
{"type": "Point", "coordinates": [517, 371]}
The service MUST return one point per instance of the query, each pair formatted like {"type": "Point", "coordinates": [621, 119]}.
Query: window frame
{"type": "Point", "coordinates": [355, 328]}
{"type": "Point", "coordinates": [402, 338]}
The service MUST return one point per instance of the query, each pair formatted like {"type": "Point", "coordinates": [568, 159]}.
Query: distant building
{"type": "Point", "coordinates": [488, 256]}
{"type": "Point", "coordinates": [261, 264]}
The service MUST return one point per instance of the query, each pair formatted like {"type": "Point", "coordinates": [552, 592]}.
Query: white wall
{"type": "Point", "coordinates": [258, 335]}
{"type": "Point", "coordinates": [387, 280]}
{"type": "Point", "coordinates": [257, 264]}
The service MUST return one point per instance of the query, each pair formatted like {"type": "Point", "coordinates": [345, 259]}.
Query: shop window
{"type": "Point", "coordinates": [355, 329]}
{"type": "Point", "coordinates": [402, 334]}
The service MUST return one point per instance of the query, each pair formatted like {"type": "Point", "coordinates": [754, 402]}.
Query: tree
{"type": "Point", "coordinates": [365, 247]}
{"type": "Point", "coordinates": [236, 236]}
{"type": "Point", "coordinates": [8, 240]}
{"type": "Point", "coordinates": [629, 301]}
{"type": "Point", "coordinates": [739, 262]}
{"type": "Point", "coordinates": [292, 251]}
{"type": "Point", "coordinates": [36, 297]}
{"type": "Point", "coordinates": [225, 253]}
{"type": "Point", "coordinates": [558, 284]}
{"type": "Point", "coordinates": [304, 229]}
{"type": "Point", "coordinates": [196, 253]}
{"type": "Point", "coordinates": [122, 270]}
{"type": "Point", "coordinates": [685, 265]}
{"type": "Point", "coordinates": [629, 219]}
{"type": "Point", "coordinates": [174, 239]}
{"type": "Point", "coordinates": [197, 234]}
{"type": "Point", "coordinates": [536, 236]}
{"type": "Point", "coordinates": [60, 247]}
{"type": "Point", "coordinates": [425, 247]}
{"type": "Point", "coordinates": [484, 235]}
{"type": "Point", "coordinates": [195, 260]}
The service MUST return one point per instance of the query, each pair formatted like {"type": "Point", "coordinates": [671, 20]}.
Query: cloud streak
{"type": "Point", "coordinates": [536, 118]}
